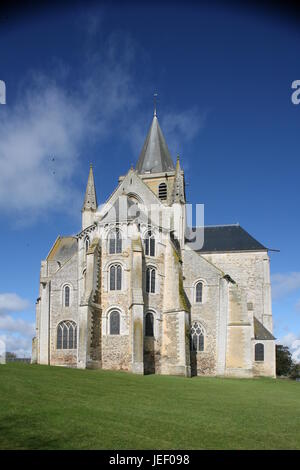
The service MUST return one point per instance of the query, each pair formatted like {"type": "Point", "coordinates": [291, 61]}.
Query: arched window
{"type": "Point", "coordinates": [115, 242]}
{"type": "Point", "coordinates": [150, 280]}
{"type": "Point", "coordinates": [149, 324]}
{"type": "Point", "coordinates": [67, 296]}
{"type": "Point", "coordinates": [114, 323]}
{"type": "Point", "coordinates": [162, 191]}
{"type": "Point", "coordinates": [86, 243]}
{"type": "Point", "coordinates": [199, 292]}
{"type": "Point", "coordinates": [149, 244]}
{"type": "Point", "coordinates": [115, 277]}
{"type": "Point", "coordinates": [259, 352]}
{"type": "Point", "coordinates": [67, 335]}
{"type": "Point", "coordinates": [197, 337]}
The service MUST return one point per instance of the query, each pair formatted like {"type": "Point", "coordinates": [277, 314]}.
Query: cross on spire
{"type": "Point", "coordinates": [154, 100]}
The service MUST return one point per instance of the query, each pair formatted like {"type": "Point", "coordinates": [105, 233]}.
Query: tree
{"type": "Point", "coordinates": [295, 371]}
{"type": "Point", "coordinates": [10, 356]}
{"type": "Point", "coordinates": [284, 360]}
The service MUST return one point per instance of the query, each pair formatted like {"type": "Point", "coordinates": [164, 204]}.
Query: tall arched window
{"type": "Point", "coordinates": [66, 335]}
{"type": "Point", "coordinates": [259, 352]}
{"type": "Point", "coordinates": [114, 323]}
{"type": "Point", "coordinates": [115, 277]}
{"type": "Point", "coordinates": [150, 280]}
{"type": "Point", "coordinates": [115, 242]}
{"type": "Point", "coordinates": [199, 292]}
{"type": "Point", "coordinates": [149, 324]}
{"type": "Point", "coordinates": [86, 243]}
{"type": "Point", "coordinates": [197, 337]}
{"type": "Point", "coordinates": [162, 191]}
{"type": "Point", "coordinates": [67, 296]}
{"type": "Point", "coordinates": [149, 244]}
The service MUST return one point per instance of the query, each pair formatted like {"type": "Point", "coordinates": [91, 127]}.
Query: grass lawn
{"type": "Point", "coordinates": [45, 407]}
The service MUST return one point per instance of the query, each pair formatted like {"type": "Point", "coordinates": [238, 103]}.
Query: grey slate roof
{"type": "Point", "coordinates": [220, 238]}
{"type": "Point", "coordinates": [155, 156]}
{"type": "Point", "coordinates": [260, 331]}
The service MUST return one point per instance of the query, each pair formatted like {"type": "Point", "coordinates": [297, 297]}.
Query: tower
{"type": "Point", "coordinates": [90, 201]}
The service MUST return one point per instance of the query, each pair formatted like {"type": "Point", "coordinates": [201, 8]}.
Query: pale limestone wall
{"type": "Point", "coordinates": [268, 366]}
{"type": "Point", "coordinates": [251, 271]}
{"type": "Point", "coordinates": [66, 275]}
{"type": "Point", "coordinates": [196, 268]}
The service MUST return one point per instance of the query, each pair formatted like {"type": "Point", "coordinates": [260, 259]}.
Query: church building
{"type": "Point", "coordinates": [138, 290]}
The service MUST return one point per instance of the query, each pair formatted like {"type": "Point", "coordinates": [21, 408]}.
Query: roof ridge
{"type": "Point", "coordinates": [218, 225]}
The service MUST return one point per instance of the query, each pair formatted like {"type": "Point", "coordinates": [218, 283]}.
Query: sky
{"type": "Point", "coordinates": [79, 90]}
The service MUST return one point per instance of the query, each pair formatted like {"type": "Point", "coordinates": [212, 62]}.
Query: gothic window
{"type": "Point", "coordinates": [114, 323]}
{"type": "Point", "coordinates": [149, 244]}
{"type": "Point", "coordinates": [150, 280]}
{"type": "Point", "coordinates": [86, 244]}
{"type": "Point", "coordinates": [67, 296]}
{"type": "Point", "coordinates": [115, 277]}
{"type": "Point", "coordinates": [162, 191]}
{"type": "Point", "coordinates": [149, 324]}
{"type": "Point", "coordinates": [197, 337]}
{"type": "Point", "coordinates": [199, 292]}
{"type": "Point", "coordinates": [67, 335]}
{"type": "Point", "coordinates": [115, 242]}
{"type": "Point", "coordinates": [259, 352]}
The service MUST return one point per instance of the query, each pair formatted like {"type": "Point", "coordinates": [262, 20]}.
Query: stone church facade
{"type": "Point", "coordinates": [133, 291]}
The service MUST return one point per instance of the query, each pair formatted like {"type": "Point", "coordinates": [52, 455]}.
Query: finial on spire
{"type": "Point", "coordinates": [154, 99]}
{"type": "Point", "coordinates": [91, 165]}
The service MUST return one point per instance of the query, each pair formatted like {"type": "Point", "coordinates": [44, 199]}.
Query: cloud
{"type": "Point", "coordinates": [55, 119]}
{"type": "Point", "coordinates": [180, 127]}
{"type": "Point", "coordinates": [293, 343]}
{"type": "Point", "coordinates": [11, 302]}
{"type": "Point", "coordinates": [20, 345]}
{"type": "Point", "coordinates": [43, 135]}
{"type": "Point", "coordinates": [16, 333]}
{"type": "Point", "coordinates": [13, 325]}
{"type": "Point", "coordinates": [284, 284]}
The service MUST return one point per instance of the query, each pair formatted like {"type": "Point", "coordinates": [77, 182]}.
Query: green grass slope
{"type": "Point", "coordinates": [45, 407]}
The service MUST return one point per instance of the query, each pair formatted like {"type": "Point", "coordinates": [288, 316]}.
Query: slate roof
{"type": "Point", "coordinates": [223, 238]}
{"type": "Point", "coordinates": [155, 156]}
{"type": "Point", "coordinates": [260, 331]}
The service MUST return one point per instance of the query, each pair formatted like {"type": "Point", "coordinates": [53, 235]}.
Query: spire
{"type": "Point", "coordinates": [155, 156]}
{"type": "Point", "coordinates": [90, 199]}
{"type": "Point", "coordinates": [178, 190]}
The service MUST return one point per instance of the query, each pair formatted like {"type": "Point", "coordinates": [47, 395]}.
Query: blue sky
{"type": "Point", "coordinates": [80, 85]}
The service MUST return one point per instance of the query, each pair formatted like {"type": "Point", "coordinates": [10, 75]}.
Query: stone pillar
{"type": "Point", "coordinates": [44, 323]}
{"type": "Point", "coordinates": [239, 346]}
{"type": "Point", "coordinates": [222, 327]}
{"type": "Point", "coordinates": [137, 308]}
{"type": "Point", "coordinates": [267, 313]}
{"type": "Point", "coordinates": [82, 337]}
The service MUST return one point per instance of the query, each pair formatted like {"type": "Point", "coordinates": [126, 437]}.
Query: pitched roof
{"type": "Point", "coordinates": [260, 331]}
{"type": "Point", "coordinates": [63, 249]}
{"type": "Point", "coordinates": [155, 156]}
{"type": "Point", "coordinates": [222, 238]}
{"type": "Point", "coordinates": [90, 199]}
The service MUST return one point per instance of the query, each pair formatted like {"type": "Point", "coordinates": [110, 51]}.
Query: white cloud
{"type": "Point", "coordinates": [16, 325]}
{"type": "Point", "coordinates": [44, 135]}
{"type": "Point", "coordinates": [20, 345]}
{"type": "Point", "coordinates": [293, 343]}
{"type": "Point", "coordinates": [11, 302]}
{"type": "Point", "coordinates": [284, 284]}
{"type": "Point", "coordinates": [16, 333]}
